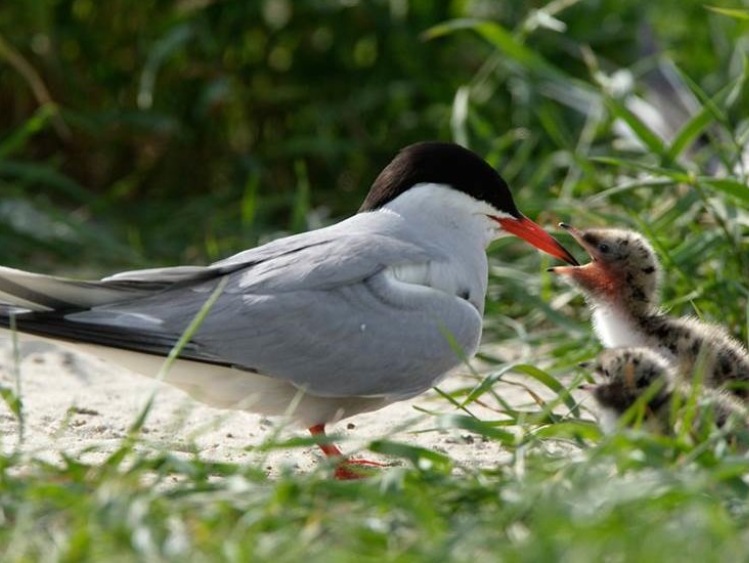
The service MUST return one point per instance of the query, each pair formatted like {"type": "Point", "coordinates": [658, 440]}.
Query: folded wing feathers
{"type": "Point", "coordinates": [162, 276]}
{"type": "Point", "coordinates": [38, 292]}
{"type": "Point", "coordinates": [148, 342]}
{"type": "Point", "coordinates": [55, 306]}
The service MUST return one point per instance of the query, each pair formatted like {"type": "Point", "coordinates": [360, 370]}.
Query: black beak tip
{"type": "Point", "coordinates": [571, 260]}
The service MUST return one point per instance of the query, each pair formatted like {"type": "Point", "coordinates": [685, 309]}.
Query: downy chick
{"type": "Point", "coordinates": [632, 374]}
{"type": "Point", "coordinates": [621, 283]}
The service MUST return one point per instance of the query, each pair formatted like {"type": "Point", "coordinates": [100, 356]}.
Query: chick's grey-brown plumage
{"type": "Point", "coordinates": [632, 374]}
{"type": "Point", "coordinates": [621, 283]}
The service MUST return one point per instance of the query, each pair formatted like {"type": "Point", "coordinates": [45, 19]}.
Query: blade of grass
{"type": "Point", "coordinates": [641, 131]}
{"type": "Point", "coordinates": [735, 13]}
{"type": "Point", "coordinates": [17, 139]}
{"type": "Point", "coordinates": [480, 427]}
{"type": "Point", "coordinates": [690, 131]}
{"type": "Point", "coordinates": [548, 381]}
{"type": "Point", "coordinates": [13, 398]}
{"type": "Point", "coordinates": [674, 174]}
{"type": "Point", "coordinates": [727, 186]}
{"type": "Point", "coordinates": [420, 458]}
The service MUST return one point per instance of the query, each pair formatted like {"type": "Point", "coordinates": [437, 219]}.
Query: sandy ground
{"type": "Point", "coordinates": [79, 405]}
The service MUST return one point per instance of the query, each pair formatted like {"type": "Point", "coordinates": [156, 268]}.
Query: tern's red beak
{"type": "Point", "coordinates": [533, 234]}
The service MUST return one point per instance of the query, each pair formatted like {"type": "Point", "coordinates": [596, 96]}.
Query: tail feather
{"type": "Point", "coordinates": [57, 327]}
{"type": "Point", "coordinates": [37, 292]}
{"type": "Point", "coordinates": [169, 275]}
{"type": "Point", "coordinates": [50, 307]}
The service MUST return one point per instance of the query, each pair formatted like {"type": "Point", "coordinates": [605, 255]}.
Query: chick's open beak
{"type": "Point", "coordinates": [576, 269]}
{"type": "Point", "coordinates": [533, 234]}
{"type": "Point", "coordinates": [577, 234]}
{"type": "Point", "coordinates": [594, 274]}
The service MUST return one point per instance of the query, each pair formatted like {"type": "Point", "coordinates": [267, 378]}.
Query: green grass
{"type": "Point", "coordinates": [629, 497]}
{"type": "Point", "coordinates": [564, 492]}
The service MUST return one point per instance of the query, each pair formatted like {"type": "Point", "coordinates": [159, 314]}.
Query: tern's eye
{"type": "Point", "coordinates": [603, 248]}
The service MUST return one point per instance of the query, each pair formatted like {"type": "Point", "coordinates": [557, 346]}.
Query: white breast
{"type": "Point", "coordinates": [448, 277]}
{"type": "Point", "coordinates": [615, 329]}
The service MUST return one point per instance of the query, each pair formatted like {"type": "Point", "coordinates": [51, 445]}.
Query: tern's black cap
{"type": "Point", "coordinates": [440, 163]}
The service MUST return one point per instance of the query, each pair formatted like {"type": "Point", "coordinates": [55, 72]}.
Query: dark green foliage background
{"type": "Point", "coordinates": [189, 120]}
{"type": "Point", "coordinates": [187, 129]}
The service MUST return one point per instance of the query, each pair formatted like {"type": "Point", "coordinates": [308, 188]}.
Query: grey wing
{"type": "Point", "coordinates": [327, 317]}
{"type": "Point", "coordinates": [329, 264]}
{"type": "Point", "coordinates": [129, 310]}
{"type": "Point", "coordinates": [326, 257]}
{"type": "Point", "coordinates": [299, 315]}
{"type": "Point", "coordinates": [375, 337]}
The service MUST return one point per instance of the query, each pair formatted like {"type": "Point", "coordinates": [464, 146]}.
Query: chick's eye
{"type": "Point", "coordinates": [603, 247]}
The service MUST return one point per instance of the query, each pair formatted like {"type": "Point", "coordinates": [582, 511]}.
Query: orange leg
{"type": "Point", "coordinates": [346, 468]}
